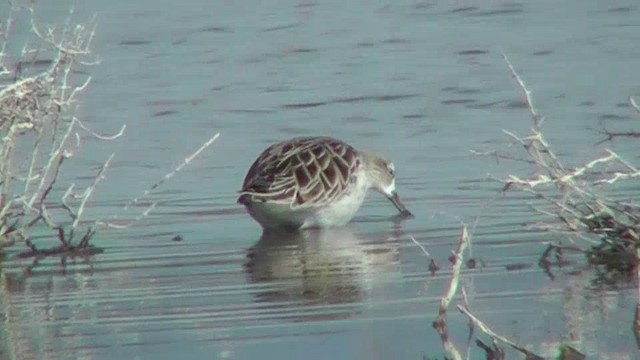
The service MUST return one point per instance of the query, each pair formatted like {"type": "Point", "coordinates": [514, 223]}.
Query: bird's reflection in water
{"type": "Point", "coordinates": [319, 267]}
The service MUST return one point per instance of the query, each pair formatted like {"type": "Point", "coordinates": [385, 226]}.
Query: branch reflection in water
{"type": "Point", "coordinates": [320, 269]}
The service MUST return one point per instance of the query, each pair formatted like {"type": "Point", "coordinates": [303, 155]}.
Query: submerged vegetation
{"type": "Point", "coordinates": [39, 90]}
{"type": "Point", "coordinates": [580, 208]}
{"type": "Point", "coordinates": [40, 85]}
{"type": "Point", "coordinates": [604, 229]}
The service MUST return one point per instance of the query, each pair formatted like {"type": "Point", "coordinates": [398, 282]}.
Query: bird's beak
{"type": "Point", "coordinates": [395, 199]}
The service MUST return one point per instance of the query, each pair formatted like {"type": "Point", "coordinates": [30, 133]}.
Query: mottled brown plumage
{"type": "Point", "coordinates": [314, 182]}
{"type": "Point", "coordinates": [305, 171]}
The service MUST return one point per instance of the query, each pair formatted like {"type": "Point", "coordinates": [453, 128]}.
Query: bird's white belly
{"type": "Point", "coordinates": [336, 213]}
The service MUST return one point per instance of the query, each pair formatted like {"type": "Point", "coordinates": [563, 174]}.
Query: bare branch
{"type": "Point", "coordinates": [440, 324]}
{"type": "Point", "coordinates": [55, 158]}
{"type": "Point", "coordinates": [500, 155]}
{"type": "Point", "coordinates": [50, 39]}
{"type": "Point", "coordinates": [89, 191]}
{"type": "Point", "coordinates": [42, 103]}
{"type": "Point", "coordinates": [609, 227]}
{"type": "Point", "coordinates": [527, 94]}
{"type": "Point", "coordinates": [43, 214]}
{"type": "Point", "coordinates": [614, 134]}
{"type": "Point", "coordinates": [634, 104]}
{"type": "Point", "coordinates": [455, 277]}
{"type": "Point", "coordinates": [65, 199]}
{"type": "Point", "coordinates": [114, 221]}
{"type": "Point", "coordinates": [424, 251]}
{"type": "Point", "coordinates": [102, 137]}
{"type": "Point", "coordinates": [610, 135]}
{"type": "Point", "coordinates": [484, 328]}
{"type": "Point", "coordinates": [168, 176]}
{"type": "Point", "coordinates": [125, 225]}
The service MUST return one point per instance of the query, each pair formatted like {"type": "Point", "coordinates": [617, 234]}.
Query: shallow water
{"type": "Point", "coordinates": [423, 82]}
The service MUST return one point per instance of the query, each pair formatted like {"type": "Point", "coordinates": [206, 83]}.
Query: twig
{"type": "Point", "coordinates": [632, 170]}
{"type": "Point", "coordinates": [89, 191]}
{"type": "Point", "coordinates": [424, 251]}
{"type": "Point", "coordinates": [500, 155]}
{"type": "Point", "coordinates": [6, 29]}
{"type": "Point", "coordinates": [455, 277]}
{"type": "Point", "coordinates": [168, 176]}
{"type": "Point", "coordinates": [484, 328]}
{"type": "Point", "coordinates": [99, 136]}
{"type": "Point", "coordinates": [65, 204]}
{"type": "Point", "coordinates": [527, 94]}
{"type": "Point", "coordinates": [634, 104]}
{"type": "Point", "coordinates": [112, 223]}
{"type": "Point", "coordinates": [77, 89]}
{"type": "Point", "coordinates": [34, 158]}
{"type": "Point", "coordinates": [440, 324]}
{"type": "Point", "coordinates": [622, 161]}
{"type": "Point", "coordinates": [614, 134]}
{"type": "Point", "coordinates": [56, 154]}
{"type": "Point", "coordinates": [50, 39]}
{"type": "Point", "coordinates": [42, 212]}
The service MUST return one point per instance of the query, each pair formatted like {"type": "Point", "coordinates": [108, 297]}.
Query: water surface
{"type": "Point", "coordinates": [423, 82]}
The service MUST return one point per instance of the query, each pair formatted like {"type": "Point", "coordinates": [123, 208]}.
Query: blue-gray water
{"type": "Point", "coordinates": [421, 81]}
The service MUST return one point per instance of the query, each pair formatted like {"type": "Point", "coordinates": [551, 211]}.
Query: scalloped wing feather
{"type": "Point", "coordinates": [308, 171]}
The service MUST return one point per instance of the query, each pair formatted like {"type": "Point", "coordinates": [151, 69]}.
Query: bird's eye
{"type": "Point", "coordinates": [391, 169]}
